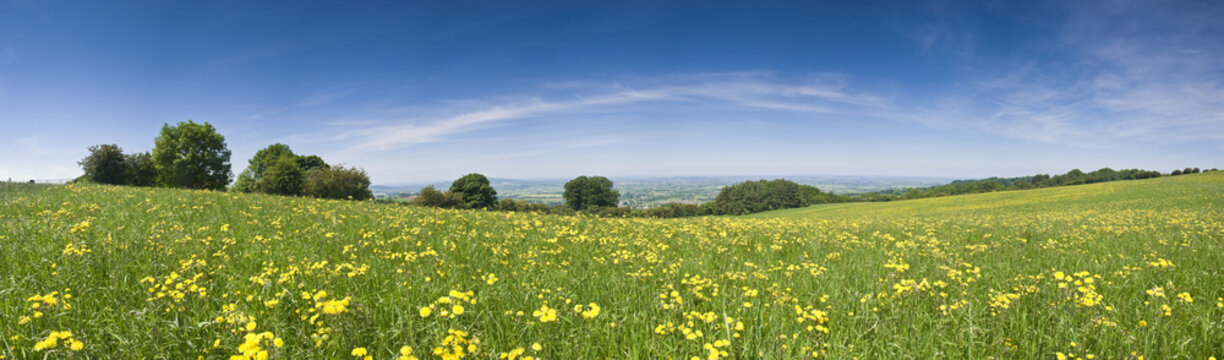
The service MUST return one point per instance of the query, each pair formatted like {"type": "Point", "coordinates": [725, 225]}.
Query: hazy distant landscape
{"type": "Point", "coordinates": [646, 192]}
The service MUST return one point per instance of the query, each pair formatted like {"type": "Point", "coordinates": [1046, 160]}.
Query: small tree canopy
{"type": "Point", "coordinates": [585, 192]}
{"type": "Point", "coordinates": [338, 182]}
{"type": "Point", "coordinates": [475, 191]}
{"type": "Point", "coordinates": [282, 177]}
{"type": "Point", "coordinates": [191, 155]}
{"type": "Point", "coordinates": [105, 164]}
{"type": "Point", "coordinates": [141, 169]}
{"type": "Point", "coordinates": [259, 163]}
{"type": "Point", "coordinates": [310, 162]}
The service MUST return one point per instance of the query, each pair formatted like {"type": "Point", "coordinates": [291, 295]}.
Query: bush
{"type": "Point", "coordinates": [105, 164]}
{"type": "Point", "coordinates": [431, 197]}
{"type": "Point", "coordinates": [338, 182]}
{"type": "Point", "coordinates": [282, 177]}
{"type": "Point", "coordinates": [141, 169]}
{"type": "Point", "coordinates": [589, 193]}
{"type": "Point", "coordinates": [757, 196]}
{"type": "Point", "coordinates": [475, 191]}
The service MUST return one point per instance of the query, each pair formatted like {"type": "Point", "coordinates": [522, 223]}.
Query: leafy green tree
{"type": "Point", "coordinates": [141, 169]}
{"type": "Point", "coordinates": [105, 165]}
{"type": "Point", "coordinates": [263, 159]}
{"type": "Point", "coordinates": [338, 182]}
{"type": "Point", "coordinates": [310, 162]}
{"type": "Point", "coordinates": [191, 155]}
{"type": "Point", "coordinates": [475, 191]}
{"type": "Point", "coordinates": [282, 177]}
{"type": "Point", "coordinates": [762, 195]}
{"type": "Point", "coordinates": [585, 193]}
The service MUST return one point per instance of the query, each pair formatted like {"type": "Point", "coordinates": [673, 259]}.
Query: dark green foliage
{"type": "Point", "coordinates": [105, 164]}
{"type": "Point", "coordinates": [141, 170]}
{"type": "Point", "coordinates": [433, 198]}
{"type": "Point", "coordinates": [337, 182]}
{"type": "Point", "coordinates": [475, 191]}
{"type": "Point", "coordinates": [1176, 172]}
{"type": "Point", "coordinates": [191, 155]}
{"type": "Point", "coordinates": [676, 210]}
{"type": "Point", "coordinates": [591, 192]}
{"type": "Point", "coordinates": [757, 196]}
{"type": "Point", "coordinates": [520, 206]}
{"type": "Point", "coordinates": [310, 162]}
{"type": "Point", "coordinates": [263, 159]}
{"type": "Point", "coordinates": [1073, 177]}
{"type": "Point", "coordinates": [282, 177]}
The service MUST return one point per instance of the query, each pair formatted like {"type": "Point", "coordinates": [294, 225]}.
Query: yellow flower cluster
{"type": "Point", "coordinates": [590, 312]}
{"type": "Point", "coordinates": [456, 345]}
{"type": "Point", "coordinates": [449, 306]}
{"type": "Point", "coordinates": [545, 314]}
{"type": "Point", "coordinates": [53, 340]}
{"type": "Point", "coordinates": [517, 353]}
{"type": "Point", "coordinates": [38, 303]}
{"type": "Point", "coordinates": [252, 347]}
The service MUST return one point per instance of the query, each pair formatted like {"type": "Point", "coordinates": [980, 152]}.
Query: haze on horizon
{"type": "Point", "coordinates": [423, 91]}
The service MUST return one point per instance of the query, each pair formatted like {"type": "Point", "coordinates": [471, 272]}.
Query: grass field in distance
{"type": "Point", "coordinates": [1120, 270]}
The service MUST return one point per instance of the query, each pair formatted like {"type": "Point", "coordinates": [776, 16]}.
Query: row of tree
{"type": "Point", "coordinates": [1073, 177]}
{"type": "Point", "coordinates": [186, 155]}
{"type": "Point", "coordinates": [194, 156]}
{"type": "Point", "coordinates": [1188, 171]}
{"type": "Point", "coordinates": [474, 191]}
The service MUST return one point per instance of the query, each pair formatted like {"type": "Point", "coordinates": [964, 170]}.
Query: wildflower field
{"type": "Point", "coordinates": [1119, 270]}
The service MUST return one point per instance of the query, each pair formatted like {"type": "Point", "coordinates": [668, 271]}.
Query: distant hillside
{"type": "Point", "coordinates": [1170, 190]}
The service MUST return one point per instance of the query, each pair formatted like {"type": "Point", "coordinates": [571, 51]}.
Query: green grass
{"type": "Point", "coordinates": [162, 273]}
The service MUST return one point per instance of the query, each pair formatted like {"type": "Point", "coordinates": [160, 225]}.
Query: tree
{"type": "Point", "coordinates": [338, 182]}
{"type": "Point", "coordinates": [258, 164]}
{"type": "Point", "coordinates": [583, 193]}
{"type": "Point", "coordinates": [282, 177]}
{"type": "Point", "coordinates": [475, 191]}
{"type": "Point", "coordinates": [1176, 172]}
{"type": "Point", "coordinates": [191, 155]}
{"type": "Point", "coordinates": [105, 165]}
{"type": "Point", "coordinates": [141, 169]}
{"type": "Point", "coordinates": [310, 162]}
{"type": "Point", "coordinates": [756, 196]}
{"type": "Point", "coordinates": [431, 197]}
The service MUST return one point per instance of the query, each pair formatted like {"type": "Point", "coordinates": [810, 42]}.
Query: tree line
{"type": "Point", "coordinates": [191, 155]}
{"type": "Point", "coordinates": [1073, 177]}
{"type": "Point", "coordinates": [595, 195]}
{"type": "Point", "coordinates": [586, 194]}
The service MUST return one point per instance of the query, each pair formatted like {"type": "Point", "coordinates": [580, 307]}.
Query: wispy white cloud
{"type": "Point", "coordinates": [826, 94]}
{"type": "Point", "coordinates": [1110, 75]}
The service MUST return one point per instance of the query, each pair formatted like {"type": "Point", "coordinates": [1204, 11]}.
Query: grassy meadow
{"type": "Point", "coordinates": [1119, 270]}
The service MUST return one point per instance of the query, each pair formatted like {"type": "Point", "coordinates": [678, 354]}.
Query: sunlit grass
{"type": "Point", "coordinates": [157, 273]}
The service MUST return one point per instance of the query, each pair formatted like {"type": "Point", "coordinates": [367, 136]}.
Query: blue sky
{"type": "Point", "coordinates": [416, 91]}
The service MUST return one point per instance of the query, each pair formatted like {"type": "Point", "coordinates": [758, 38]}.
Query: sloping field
{"type": "Point", "coordinates": [1114, 271]}
{"type": "Point", "coordinates": [1197, 192]}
